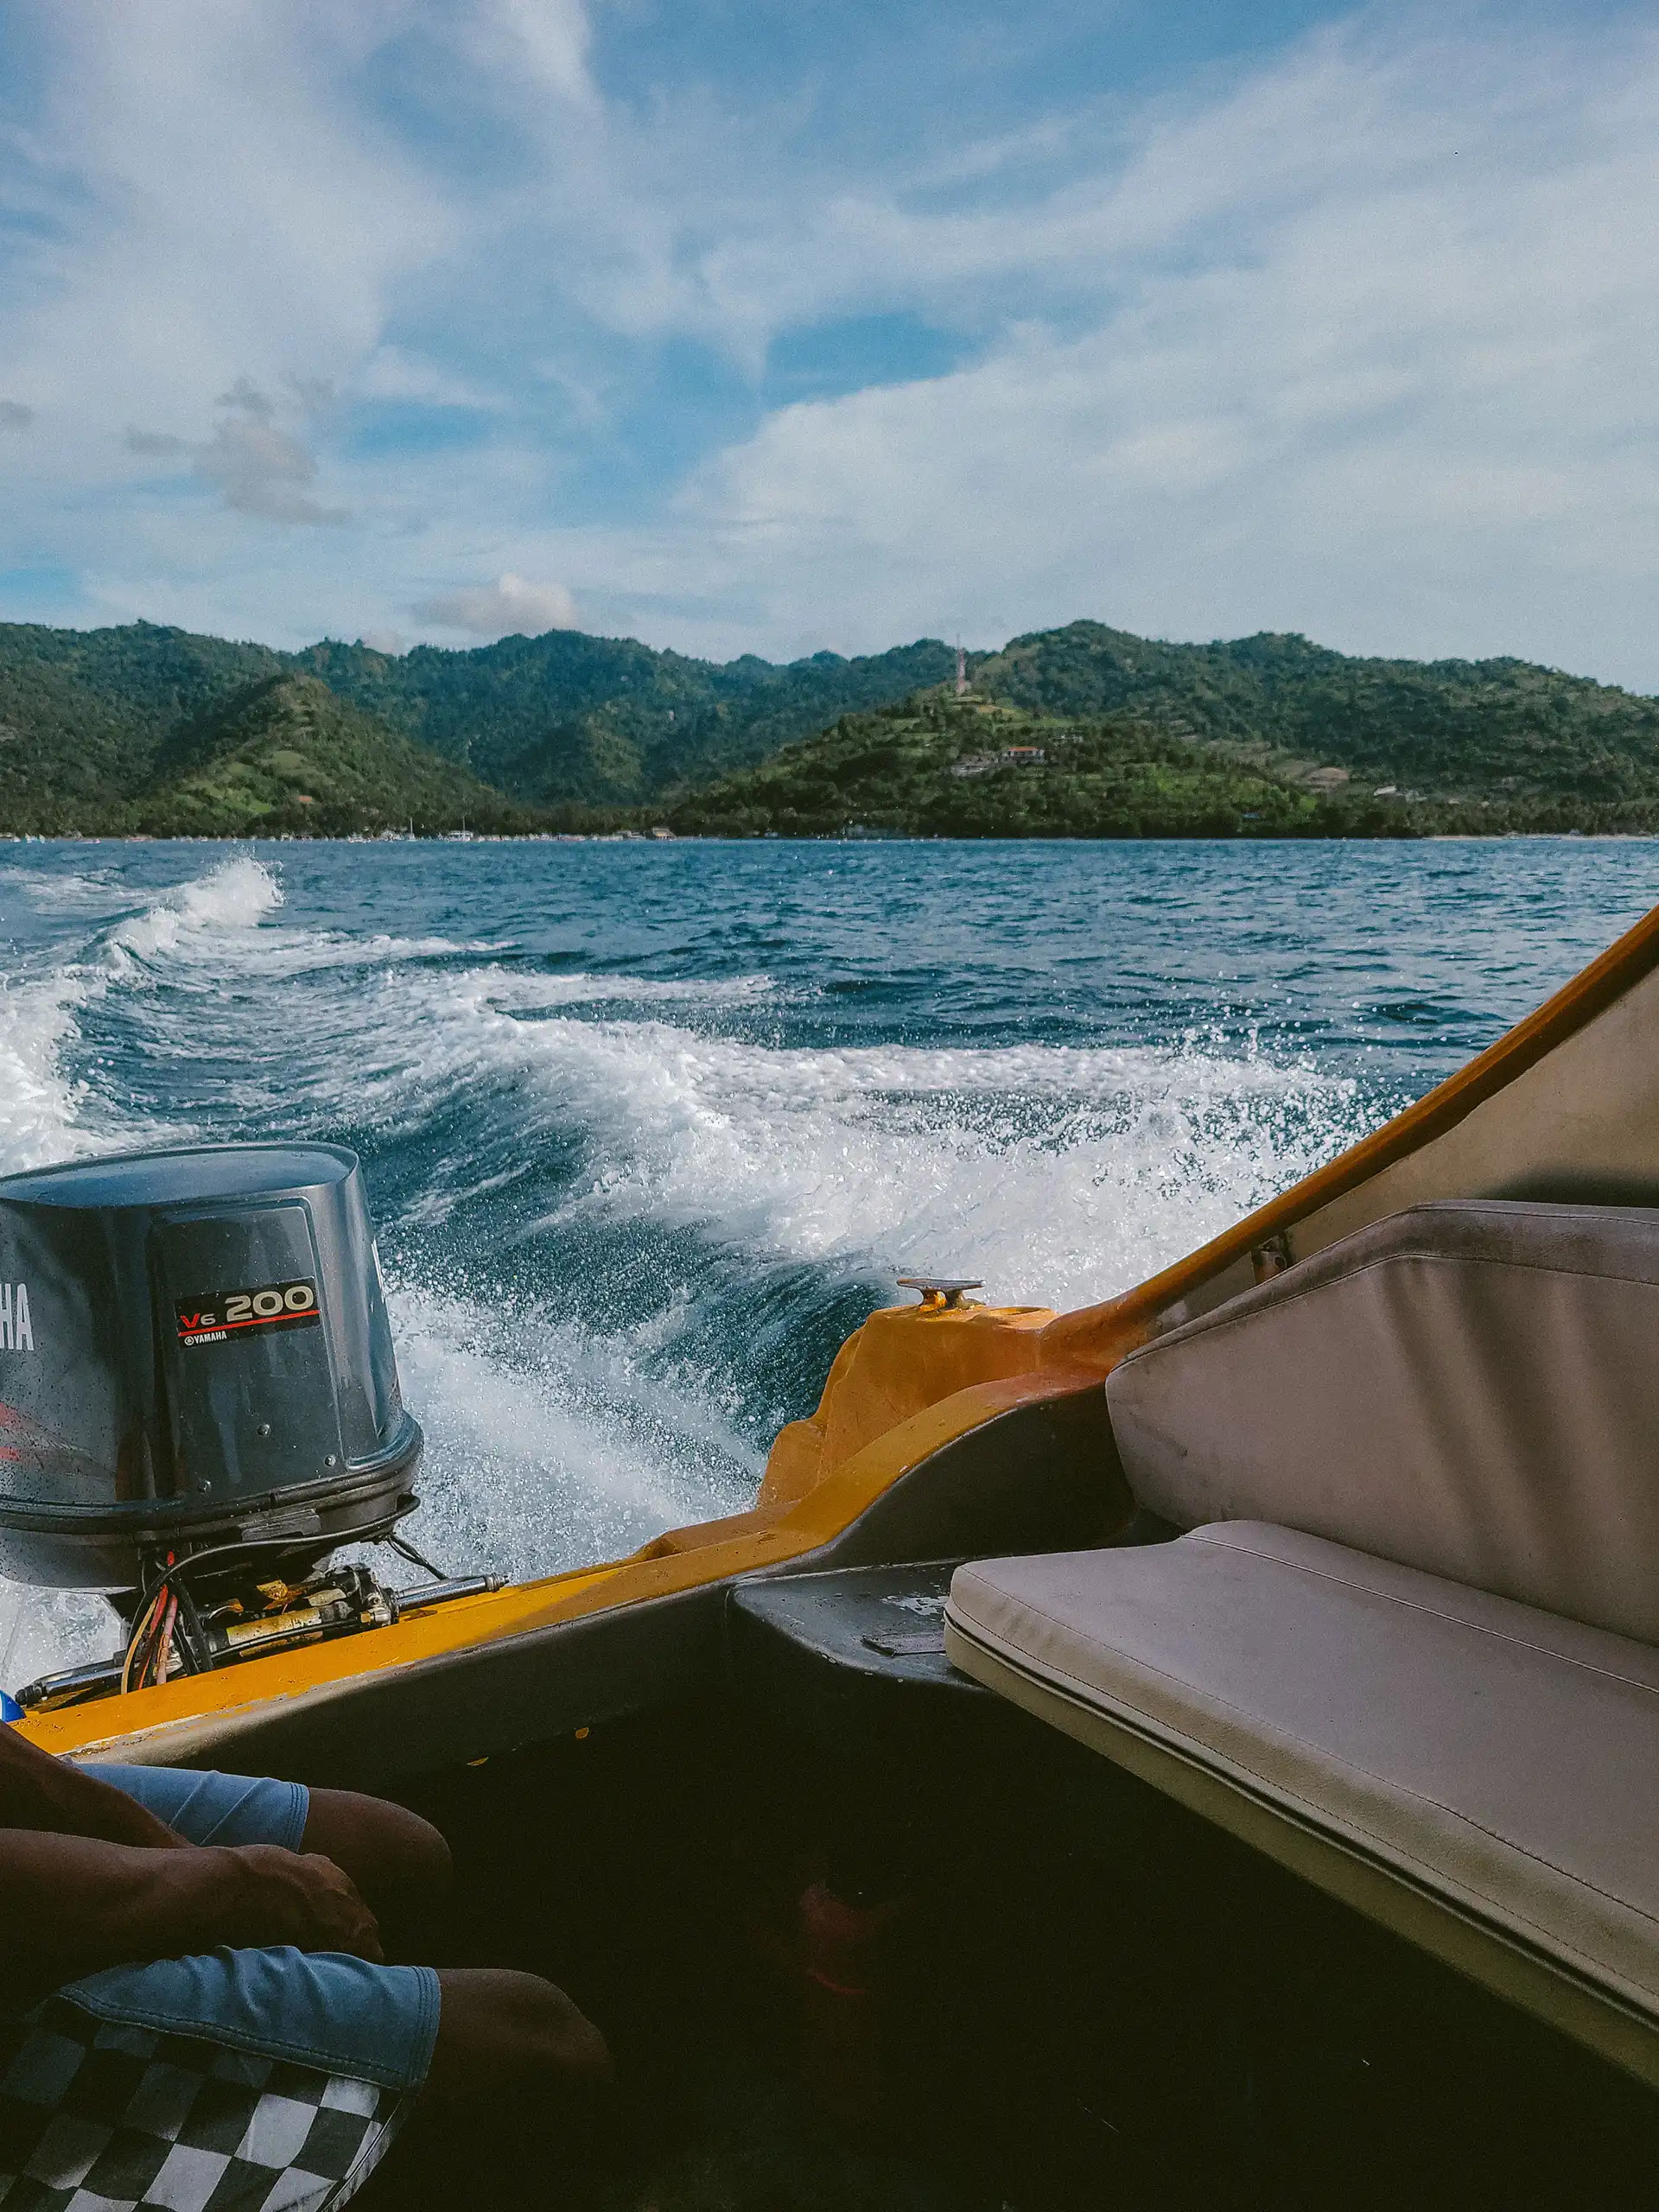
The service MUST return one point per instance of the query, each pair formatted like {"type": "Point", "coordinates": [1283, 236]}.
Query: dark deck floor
{"type": "Point", "coordinates": [1085, 1999]}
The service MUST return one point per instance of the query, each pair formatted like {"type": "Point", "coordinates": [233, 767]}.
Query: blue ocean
{"type": "Point", "coordinates": [649, 1127]}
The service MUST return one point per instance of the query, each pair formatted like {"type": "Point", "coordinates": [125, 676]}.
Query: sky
{"type": "Point", "coordinates": [779, 326]}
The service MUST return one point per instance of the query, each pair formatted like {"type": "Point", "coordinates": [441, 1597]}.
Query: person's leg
{"type": "Point", "coordinates": [398, 1861]}
{"type": "Point", "coordinates": [501, 2030]}
{"type": "Point", "coordinates": [512, 2080]}
{"type": "Point", "coordinates": [519, 2103]}
{"type": "Point", "coordinates": [461, 2036]}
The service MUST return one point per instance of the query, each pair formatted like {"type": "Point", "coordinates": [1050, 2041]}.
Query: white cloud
{"type": "Point", "coordinates": [211, 203]}
{"type": "Point", "coordinates": [1356, 339]}
{"type": "Point", "coordinates": [260, 468]}
{"type": "Point", "coordinates": [540, 46]}
{"type": "Point", "coordinates": [261, 471]}
{"type": "Point", "coordinates": [1370, 360]}
{"type": "Point", "coordinates": [508, 605]}
{"type": "Point", "coordinates": [395, 373]}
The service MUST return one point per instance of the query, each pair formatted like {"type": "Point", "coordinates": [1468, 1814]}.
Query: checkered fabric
{"type": "Point", "coordinates": [96, 2116]}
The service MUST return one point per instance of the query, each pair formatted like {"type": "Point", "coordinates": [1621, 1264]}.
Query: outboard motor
{"type": "Point", "coordinates": [198, 1401]}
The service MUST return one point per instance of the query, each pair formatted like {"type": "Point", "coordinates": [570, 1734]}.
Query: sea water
{"type": "Point", "coordinates": [649, 1127]}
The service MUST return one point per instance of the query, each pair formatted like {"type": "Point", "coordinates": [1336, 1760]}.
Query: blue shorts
{"type": "Point", "coordinates": [320, 2009]}
{"type": "Point", "coordinates": [216, 1807]}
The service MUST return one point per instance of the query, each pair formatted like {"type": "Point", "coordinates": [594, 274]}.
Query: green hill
{"type": "Point", "coordinates": [939, 767]}
{"type": "Point", "coordinates": [1520, 737]}
{"type": "Point", "coordinates": [287, 756]}
{"type": "Point", "coordinates": [105, 730]}
{"type": "Point", "coordinates": [557, 721]}
{"type": "Point", "coordinates": [83, 714]}
{"type": "Point", "coordinates": [606, 721]}
{"type": "Point", "coordinates": [986, 767]}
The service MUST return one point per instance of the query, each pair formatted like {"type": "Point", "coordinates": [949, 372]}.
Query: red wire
{"type": "Point", "coordinates": [155, 1631]}
{"type": "Point", "coordinates": [164, 1642]}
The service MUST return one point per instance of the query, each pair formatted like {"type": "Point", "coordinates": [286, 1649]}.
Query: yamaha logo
{"type": "Point", "coordinates": [17, 1330]}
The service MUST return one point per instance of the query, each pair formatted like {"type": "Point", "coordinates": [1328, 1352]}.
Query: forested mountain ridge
{"type": "Point", "coordinates": [85, 714]}
{"type": "Point", "coordinates": [1272, 733]}
{"type": "Point", "coordinates": [1505, 731]}
{"type": "Point", "coordinates": [986, 767]}
{"type": "Point", "coordinates": [608, 721]}
{"type": "Point", "coordinates": [287, 756]}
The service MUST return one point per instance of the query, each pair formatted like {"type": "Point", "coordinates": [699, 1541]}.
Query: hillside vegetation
{"type": "Point", "coordinates": [606, 721]}
{"type": "Point", "coordinates": [560, 720]}
{"type": "Point", "coordinates": [85, 714]}
{"type": "Point", "coordinates": [286, 757]}
{"type": "Point", "coordinates": [979, 768]}
{"type": "Point", "coordinates": [148, 730]}
{"type": "Point", "coordinates": [937, 766]}
{"type": "Point", "coordinates": [1545, 749]}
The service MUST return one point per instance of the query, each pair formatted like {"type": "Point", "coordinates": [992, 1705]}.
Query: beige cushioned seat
{"type": "Point", "coordinates": [1468, 1387]}
{"type": "Point", "coordinates": [1355, 1694]}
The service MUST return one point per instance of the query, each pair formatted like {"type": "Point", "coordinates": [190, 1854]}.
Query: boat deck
{"type": "Point", "coordinates": [1085, 1998]}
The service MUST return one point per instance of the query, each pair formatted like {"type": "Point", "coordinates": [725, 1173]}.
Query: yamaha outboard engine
{"type": "Point", "coordinates": [198, 1401]}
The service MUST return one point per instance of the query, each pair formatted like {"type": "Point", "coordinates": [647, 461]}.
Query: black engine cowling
{"type": "Point", "coordinates": [195, 1351]}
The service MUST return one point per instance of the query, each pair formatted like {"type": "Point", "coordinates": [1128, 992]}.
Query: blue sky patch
{"type": "Point", "coordinates": [792, 326]}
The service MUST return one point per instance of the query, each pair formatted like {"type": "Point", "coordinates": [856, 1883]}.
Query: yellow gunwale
{"type": "Point", "coordinates": [1078, 1349]}
{"type": "Point", "coordinates": [1101, 1335]}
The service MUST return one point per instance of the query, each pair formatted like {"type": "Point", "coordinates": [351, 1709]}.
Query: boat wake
{"type": "Point", "coordinates": [627, 1216]}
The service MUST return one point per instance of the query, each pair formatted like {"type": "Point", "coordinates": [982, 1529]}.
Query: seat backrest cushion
{"type": "Point", "coordinates": [1468, 1387]}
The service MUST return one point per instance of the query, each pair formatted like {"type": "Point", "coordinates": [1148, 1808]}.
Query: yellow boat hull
{"type": "Point", "coordinates": [1565, 1104]}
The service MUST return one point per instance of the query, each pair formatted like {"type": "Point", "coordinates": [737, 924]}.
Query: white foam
{"type": "Point", "coordinates": [45, 1115]}
{"type": "Point", "coordinates": [1059, 1174]}
{"type": "Point", "coordinates": [39, 1105]}
{"type": "Point", "coordinates": [214, 917]}
{"type": "Point", "coordinates": [278, 953]}
{"type": "Point", "coordinates": [191, 937]}
{"type": "Point", "coordinates": [548, 1447]}
{"type": "Point", "coordinates": [44, 1631]}
{"type": "Point", "coordinates": [56, 893]}
{"type": "Point", "coordinates": [236, 895]}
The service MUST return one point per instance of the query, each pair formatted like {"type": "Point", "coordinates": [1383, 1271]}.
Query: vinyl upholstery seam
{"type": "Point", "coordinates": [1384, 1852]}
{"type": "Point", "coordinates": [1413, 1604]}
{"type": "Point", "coordinates": [1423, 1797]}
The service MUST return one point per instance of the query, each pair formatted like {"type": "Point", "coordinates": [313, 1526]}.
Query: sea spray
{"type": "Point", "coordinates": [46, 1113]}
{"type": "Point", "coordinates": [545, 1443]}
{"type": "Point", "coordinates": [236, 895]}
{"type": "Point", "coordinates": [649, 1129]}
